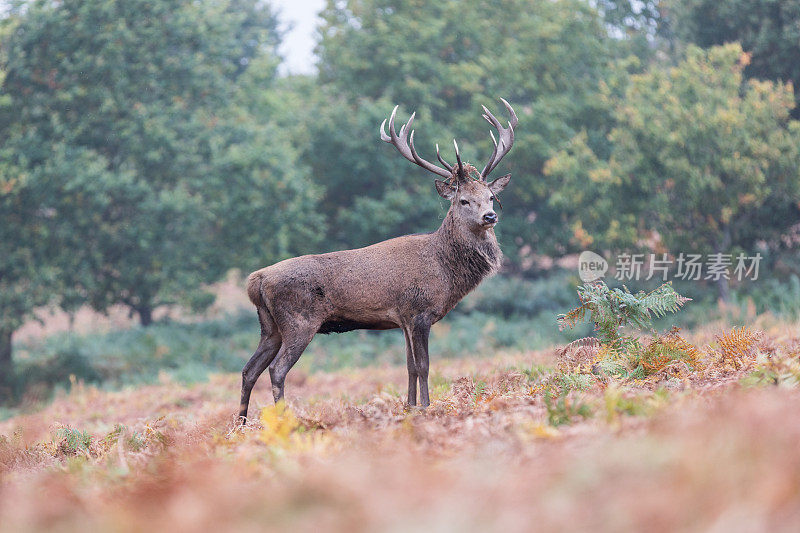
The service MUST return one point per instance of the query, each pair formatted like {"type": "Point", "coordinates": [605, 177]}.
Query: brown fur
{"type": "Point", "coordinates": [383, 284]}
{"type": "Point", "coordinates": [409, 282]}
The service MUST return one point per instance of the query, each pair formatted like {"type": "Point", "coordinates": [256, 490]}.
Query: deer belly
{"type": "Point", "coordinates": [342, 325]}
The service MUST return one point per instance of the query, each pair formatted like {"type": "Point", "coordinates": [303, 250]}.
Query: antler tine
{"type": "Point", "coordinates": [447, 165]}
{"type": "Point", "coordinates": [506, 136]}
{"type": "Point", "coordinates": [405, 128]}
{"type": "Point", "coordinates": [514, 119]}
{"type": "Point", "coordinates": [486, 170]}
{"type": "Point", "coordinates": [405, 145]}
{"type": "Point", "coordinates": [490, 118]}
{"type": "Point", "coordinates": [458, 158]}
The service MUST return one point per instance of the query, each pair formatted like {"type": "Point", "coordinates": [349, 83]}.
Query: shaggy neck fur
{"type": "Point", "coordinates": [469, 256]}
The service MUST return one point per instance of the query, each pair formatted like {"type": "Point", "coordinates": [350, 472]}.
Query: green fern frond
{"type": "Point", "coordinates": [611, 309]}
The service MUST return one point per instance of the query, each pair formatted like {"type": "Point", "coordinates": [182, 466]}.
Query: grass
{"type": "Point", "coordinates": [188, 353]}
{"type": "Point", "coordinates": [503, 314]}
{"type": "Point", "coordinates": [73, 441]}
{"type": "Point", "coordinates": [508, 441]}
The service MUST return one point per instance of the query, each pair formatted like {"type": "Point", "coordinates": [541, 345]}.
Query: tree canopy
{"type": "Point", "coordinates": [546, 58]}
{"type": "Point", "coordinates": [150, 93]}
{"type": "Point", "coordinates": [769, 30]}
{"type": "Point", "coordinates": [148, 147]}
{"type": "Point", "coordinates": [134, 171]}
{"type": "Point", "coordinates": [702, 161]}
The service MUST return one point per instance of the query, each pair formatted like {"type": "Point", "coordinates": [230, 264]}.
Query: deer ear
{"type": "Point", "coordinates": [499, 184]}
{"type": "Point", "coordinates": [445, 190]}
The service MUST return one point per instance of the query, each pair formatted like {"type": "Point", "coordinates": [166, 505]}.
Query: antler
{"type": "Point", "coordinates": [406, 146]}
{"type": "Point", "coordinates": [506, 137]}
{"type": "Point", "coordinates": [460, 174]}
{"type": "Point", "coordinates": [447, 165]}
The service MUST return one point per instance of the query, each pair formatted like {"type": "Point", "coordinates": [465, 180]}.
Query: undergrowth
{"type": "Point", "coordinates": [503, 314]}
{"type": "Point", "coordinates": [626, 345]}
{"type": "Point", "coordinates": [188, 353]}
{"type": "Point", "coordinates": [614, 313]}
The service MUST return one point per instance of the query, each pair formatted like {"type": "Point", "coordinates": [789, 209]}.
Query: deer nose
{"type": "Point", "coordinates": [490, 217]}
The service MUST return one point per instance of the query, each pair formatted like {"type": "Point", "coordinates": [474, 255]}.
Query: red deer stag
{"type": "Point", "coordinates": [409, 282]}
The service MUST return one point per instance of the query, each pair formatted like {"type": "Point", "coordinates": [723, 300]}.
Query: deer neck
{"type": "Point", "coordinates": [468, 256]}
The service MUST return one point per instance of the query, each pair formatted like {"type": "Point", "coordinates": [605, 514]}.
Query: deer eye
{"type": "Point", "coordinates": [464, 202]}
{"type": "Point", "coordinates": [491, 198]}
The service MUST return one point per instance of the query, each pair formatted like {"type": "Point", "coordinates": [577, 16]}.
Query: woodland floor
{"type": "Point", "coordinates": [500, 449]}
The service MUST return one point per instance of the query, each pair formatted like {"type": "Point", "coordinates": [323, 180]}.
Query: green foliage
{"type": "Point", "coordinates": [134, 168]}
{"type": "Point", "coordinates": [536, 371]}
{"type": "Point", "coordinates": [157, 166]}
{"type": "Point", "coordinates": [510, 296]}
{"type": "Point", "coordinates": [782, 370]}
{"type": "Point", "coordinates": [612, 366]}
{"type": "Point", "coordinates": [622, 354]}
{"type": "Point", "coordinates": [702, 160]}
{"type": "Point", "coordinates": [480, 389]}
{"type": "Point", "coordinates": [562, 408]}
{"type": "Point", "coordinates": [617, 403]}
{"type": "Point", "coordinates": [72, 441]}
{"type": "Point", "coordinates": [769, 30]}
{"type": "Point", "coordinates": [133, 440]}
{"type": "Point", "coordinates": [183, 352]}
{"type": "Point", "coordinates": [37, 379]}
{"type": "Point", "coordinates": [25, 277]}
{"type": "Point", "coordinates": [780, 297]}
{"type": "Point", "coordinates": [546, 58]}
{"type": "Point", "coordinates": [136, 442]}
{"type": "Point", "coordinates": [612, 309]}
{"type": "Point", "coordinates": [572, 381]}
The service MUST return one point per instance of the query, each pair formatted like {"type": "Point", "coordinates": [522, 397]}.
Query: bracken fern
{"type": "Point", "coordinates": [612, 309]}
{"type": "Point", "coordinates": [736, 347]}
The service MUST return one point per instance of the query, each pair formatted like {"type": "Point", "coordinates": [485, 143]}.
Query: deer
{"type": "Point", "coordinates": [408, 283]}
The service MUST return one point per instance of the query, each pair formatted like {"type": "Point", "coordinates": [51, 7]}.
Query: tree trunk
{"type": "Point", "coordinates": [723, 290]}
{"type": "Point", "coordinates": [6, 367]}
{"type": "Point", "coordinates": [145, 315]}
{"type": "Point", "coordinates": [722, 283]}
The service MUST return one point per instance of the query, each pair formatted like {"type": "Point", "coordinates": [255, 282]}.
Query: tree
{"type": "Point", "coordinates": [134, 168]}
{"type": "Point", "coordinates": [445, 59]}
{"type": "Point", "coordinates": [265, 203]}
{"type": "Point", "coordinates": [769, 30]}
{"type": "Point", "coordinates": [26, 280]}
{"type": "Point", "coordinates": [150, 89]}
{"type": "Point", "coordinates": [702, 161]}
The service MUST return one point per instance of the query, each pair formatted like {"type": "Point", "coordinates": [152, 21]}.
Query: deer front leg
{"type": "Point", "coordinates": [420, 330]}
{"type": "Point", "coordinates": [412, 369]}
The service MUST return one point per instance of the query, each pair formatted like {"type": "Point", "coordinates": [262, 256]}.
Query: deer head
{"type": "Point", "coordinates": [471, 195]}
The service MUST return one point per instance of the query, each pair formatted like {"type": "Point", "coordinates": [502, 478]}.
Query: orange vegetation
{"type": "Point", "coordinates": [711, 448]}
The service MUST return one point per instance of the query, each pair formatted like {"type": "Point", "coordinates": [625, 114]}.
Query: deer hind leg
{"type": "Point", "coordinates": [266, 351]}
{"type": "Point", "coordinates": [412, 368]}
{"type": "Point", "coordinates": [294, 344]}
